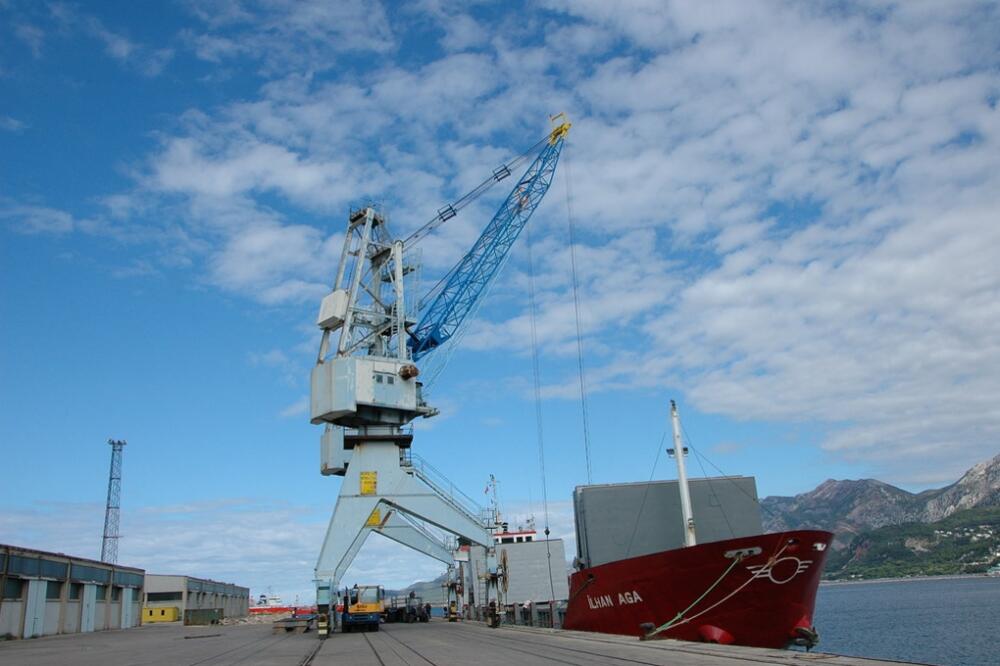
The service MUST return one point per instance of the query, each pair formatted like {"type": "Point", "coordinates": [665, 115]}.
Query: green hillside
{"type": "Point", "coordinates": [964, 543]}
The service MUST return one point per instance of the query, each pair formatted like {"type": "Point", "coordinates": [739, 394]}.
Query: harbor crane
{"type": "Point", "coordinates": [365, 387]}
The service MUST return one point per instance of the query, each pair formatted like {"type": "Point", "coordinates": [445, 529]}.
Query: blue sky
{"type": "Point", "coordinates": [786, 220]}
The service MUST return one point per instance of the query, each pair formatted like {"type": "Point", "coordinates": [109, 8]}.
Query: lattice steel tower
{"type": "Point", "coordinates": [109, 547]}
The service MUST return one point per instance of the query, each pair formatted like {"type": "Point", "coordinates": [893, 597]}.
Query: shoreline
{"type": "Point", "coordinates": [901, 579]}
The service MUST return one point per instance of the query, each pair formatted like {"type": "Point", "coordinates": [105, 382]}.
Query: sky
{"type": "Point", "coordinates": [785, 218]}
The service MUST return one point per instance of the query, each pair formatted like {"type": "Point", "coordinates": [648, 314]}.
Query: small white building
{"type": "Point", "coordinates": [536, 571]}
{"type": "Point", "coordinates": [536, 576]}
{"type": "Point", "coordinates": [44, 593]}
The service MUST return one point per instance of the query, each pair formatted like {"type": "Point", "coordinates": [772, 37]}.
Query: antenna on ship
{"type": "Point", "coordinates": [678, 452]}
{"type": "Point", "coordinates": [109, 546]}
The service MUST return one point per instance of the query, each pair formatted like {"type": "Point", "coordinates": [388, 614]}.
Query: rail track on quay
{"type": "Point", "coordinates": [251, 650]}
{"type": "Point", "coordinates": [472, 643]}
{"type": "Point", "coordinates": [389, 637]}
{"type": "Point", "coordinates": [437, 643]}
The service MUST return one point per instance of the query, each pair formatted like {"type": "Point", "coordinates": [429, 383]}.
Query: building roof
{"type": "Point", "coordinates": [23, 551]}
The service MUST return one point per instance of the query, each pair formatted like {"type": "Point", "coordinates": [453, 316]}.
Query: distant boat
{"type": "Point", "coordinates": [270, 604]}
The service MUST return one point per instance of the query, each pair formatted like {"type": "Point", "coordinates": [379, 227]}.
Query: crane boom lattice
{"type": "Point", "coordinates": [469, 280]}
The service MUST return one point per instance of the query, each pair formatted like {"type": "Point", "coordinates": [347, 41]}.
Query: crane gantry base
{"type": "Point", "coordinates": [381, 492]}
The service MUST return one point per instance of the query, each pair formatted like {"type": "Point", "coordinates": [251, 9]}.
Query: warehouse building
{"type": "Point", "coordinates": [53, 593]}
{"type": "Point", "coordinates": [170, 598]}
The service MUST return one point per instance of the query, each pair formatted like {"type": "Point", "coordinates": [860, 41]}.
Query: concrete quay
{"type": "Point", "coordinates": [437, 643]}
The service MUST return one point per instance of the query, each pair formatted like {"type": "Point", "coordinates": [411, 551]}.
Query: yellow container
{"type": "Point", "coordinates": [160, 614]}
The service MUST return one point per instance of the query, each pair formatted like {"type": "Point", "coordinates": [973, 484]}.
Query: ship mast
{"type": "Point", "coordinates": [682, 481]}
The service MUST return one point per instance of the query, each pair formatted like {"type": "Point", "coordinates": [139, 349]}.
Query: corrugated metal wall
{"type": "Point", "coordinates": [529, 566]}
{"type": "Point", "coordinates": [618, 521]}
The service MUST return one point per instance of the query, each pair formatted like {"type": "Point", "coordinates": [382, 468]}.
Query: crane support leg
{"type": "Point", "coordinates": [346, 533]}
{"type": "Point", "coordinates": [402, 531]}
{"type": "Point", "coordinates": [375, 482]}
{"type": "Point", "coordinates": [421, 501]}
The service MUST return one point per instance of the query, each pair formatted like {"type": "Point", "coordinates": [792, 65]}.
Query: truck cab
{"type": "Point", "coordinates": [363, 608]}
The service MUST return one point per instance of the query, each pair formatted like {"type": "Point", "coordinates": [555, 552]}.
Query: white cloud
{"type": "Point", "coordinates": [263, 545]}
{"type": "Point", "coordinates": [35, 219]}
{"type": "Point", "coordinates": [31, 35]}
{"type": "Point", "coordinates": [259, 545]}
{"type": "Point", "coordinates": [290, 368]}
{"type": "Point", "coordinates": [135, 268]}
{"type": "Point", "coordinates": [274, 358]}
{"type": "Point", "coordinates": [147, 61]}
{"type": "Point", "coordinates": [620, 282]}
{"type": "Point", "coordinates": [298, 408]}
{"type": "Point", "coordinates": [561, 521]}
{"type": "Point", "coordinates": [264, 260]}
{"type": "Point", "coordinates": [892, 335]}
{"type": "Point", "coordinates": [38, 219]}
{"type": "Point", "coordinates": [871, 314]}
{"type": "Point", "coordinates": [305, 141]}
{"type": "Point", "coordinates": [253, 166]}
{"type": "Point", "coordinates": [463, 32]}
{"type": "Point", "coordinates": [786, 209]}
{"type": "Point", "coordinates": [117, 46]}
{"type": "Point", "coordinates": [286, 34]}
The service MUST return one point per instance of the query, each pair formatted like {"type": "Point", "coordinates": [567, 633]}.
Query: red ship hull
{"type": "Point", "coordinates": [762, 598]}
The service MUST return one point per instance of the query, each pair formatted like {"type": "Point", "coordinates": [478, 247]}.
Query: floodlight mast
{"type": "Point", "coordinates": [364, 386]}
{"type": "Point", "coordinates": [112, 510]}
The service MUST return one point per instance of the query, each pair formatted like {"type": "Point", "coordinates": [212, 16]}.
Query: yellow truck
{"type": "Point", "coordinates": [363, 608]}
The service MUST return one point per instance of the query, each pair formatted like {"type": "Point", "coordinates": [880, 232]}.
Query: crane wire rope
{"type": "Point", "coordinates": [538, 415]}
{"type": "Point", "coordinates": [698, 454]}
{"type": "Point", "coordinates": [440, 361]}
{"type": "Point", "coordinates": [451, 210]}
{"type": "Point", "coordinates": [699, 457]}
{"type": "Point", "coordinates": [576, 309]}
{"type": "Point", "coordinates": [645, 495]}
{"type": "Point", "coordinates": [437, 364]}
{"type": "Point", "coordinates": [708, 479]}
{"type": "Point", "coordinates": [679, 619]}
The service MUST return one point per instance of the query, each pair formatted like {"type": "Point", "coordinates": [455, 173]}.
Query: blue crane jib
{"type": "Point", "coordinates": [467, 282]}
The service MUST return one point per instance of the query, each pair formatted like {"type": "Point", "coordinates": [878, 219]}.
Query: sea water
{"type": "Point", "coordinates": [945, 621]}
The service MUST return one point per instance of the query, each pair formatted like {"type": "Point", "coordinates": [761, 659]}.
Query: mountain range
{"type": "Point", "coordinates": [850, 508]}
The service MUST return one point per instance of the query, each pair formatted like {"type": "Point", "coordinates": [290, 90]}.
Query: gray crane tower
{"type": "Point", "coordinates": [364, 387]}
{"type": "Point", "coordinates": [109, 545]}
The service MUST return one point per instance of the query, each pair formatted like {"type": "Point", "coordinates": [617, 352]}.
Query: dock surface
{"type": "Point", "coordinates": [437, 643]}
